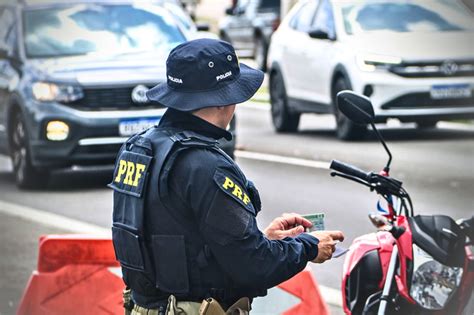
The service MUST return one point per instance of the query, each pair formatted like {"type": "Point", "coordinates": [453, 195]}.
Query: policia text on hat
{"type": "Point", "coordinates": [184, 219]}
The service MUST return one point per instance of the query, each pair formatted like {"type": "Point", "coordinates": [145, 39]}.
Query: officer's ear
{"type": "Point", "coordinates": [225, 107]}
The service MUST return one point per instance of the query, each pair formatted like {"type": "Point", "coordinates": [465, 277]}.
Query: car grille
{"type": "Point", "coordinates": [110, 98]}
{"type": "Point", "coordinates": [424, 100]}
{"type": "Point", "coordinates": [435, 69]}
{"type": "Point", "coordinates": [106, 149]}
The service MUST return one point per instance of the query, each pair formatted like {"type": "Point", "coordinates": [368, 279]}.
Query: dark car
{"type": "Point", "coordinates": [249, 25]}
{"type": "Point", "coordinates": [73, 77]}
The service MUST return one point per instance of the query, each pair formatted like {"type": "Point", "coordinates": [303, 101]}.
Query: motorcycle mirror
{"type": "Point", "coordinates": [357, 108]}
{"type": "Point", "coordinates": [380, 222]}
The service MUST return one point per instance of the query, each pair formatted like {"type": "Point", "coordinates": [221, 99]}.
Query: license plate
{"type": "Point", "coordinates": [130, 127]}
{"type": "Point", "coordinates": [450, 91]}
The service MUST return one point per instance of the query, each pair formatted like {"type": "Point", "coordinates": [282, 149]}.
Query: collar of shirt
{"type": "Point", "coordinates": [188, 121]}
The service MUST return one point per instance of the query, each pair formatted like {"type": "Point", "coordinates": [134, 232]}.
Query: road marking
{"type": "Point", "coordinates": [442, 124]}
{"type": "Point", "coordinates": [330, 295]}
{"type": "Point", "coordinates": [457, 126]}
{"type": "Point", "coordinates": [256, 105]}
{"type": "Point", "coordinates": [52, 219]}
{"type": "Point", "coordinates": [281, 159]}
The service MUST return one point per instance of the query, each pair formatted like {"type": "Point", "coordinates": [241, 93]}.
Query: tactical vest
{"type": "Point", "coordinates": [148, 237]}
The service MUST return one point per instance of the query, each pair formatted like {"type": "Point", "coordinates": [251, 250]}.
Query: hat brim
{"type": "Point", "coordinates": [239, 90]}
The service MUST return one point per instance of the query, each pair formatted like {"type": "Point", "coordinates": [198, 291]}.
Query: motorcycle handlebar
{"type": "Point", "coordinates": [349, 170]}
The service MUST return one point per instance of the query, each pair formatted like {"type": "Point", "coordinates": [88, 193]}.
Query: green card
{"type": "Point", "coordinates": [318, 221]}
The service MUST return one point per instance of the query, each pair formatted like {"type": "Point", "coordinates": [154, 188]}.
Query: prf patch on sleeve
{"type": "Point", "coordinates": [233, 189]}
{"type": "Point", "coordinates": [131, 173]}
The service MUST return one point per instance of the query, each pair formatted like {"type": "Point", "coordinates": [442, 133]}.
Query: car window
{"type": "Point", "coordinates": [99, 28]}
{"type": "Point", "coordinates": [303, 19]}
{"type": "Point", "coordinates": [324, 19]}
{"type": "Point", "coordinates": [7, 28]}
{"type": "Point", "coordinates": [413, 16]}
{"type": "Point", "coordinates": [269, 5]}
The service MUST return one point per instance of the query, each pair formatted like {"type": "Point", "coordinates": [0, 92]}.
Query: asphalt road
{"type": "Point", "coordinates": [435, 165]}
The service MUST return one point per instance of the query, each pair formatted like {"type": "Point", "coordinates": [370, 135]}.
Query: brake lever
{"type": "Point", "coordinates": [386, 185]}
{"type": "Point", "coordinates": [352, 178]}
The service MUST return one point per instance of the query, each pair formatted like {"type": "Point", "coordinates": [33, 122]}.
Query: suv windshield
{"type": "Point", "coordinates": [97, 28]}
{"type": "Point", "coordinates": [406, 16]}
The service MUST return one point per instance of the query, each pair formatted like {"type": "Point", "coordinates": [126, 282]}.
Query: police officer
{"type": "Point", "coordinates": [184, 219]}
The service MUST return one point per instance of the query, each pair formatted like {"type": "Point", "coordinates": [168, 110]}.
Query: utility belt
{"type": "Point", "coordinates": [208, 306]}
{"type": "Point", "coordinates": [197, 294]}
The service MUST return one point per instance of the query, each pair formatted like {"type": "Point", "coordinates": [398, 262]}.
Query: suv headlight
{"type": "Point", "coordinates": [433, 283]}
{"type": "Point", "coordinates": [370, 63]}
{"type": "Point", "coordinates": [48, 92]}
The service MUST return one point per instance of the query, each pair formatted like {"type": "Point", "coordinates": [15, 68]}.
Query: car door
{"type": "Point", "coordinates": [321, 56]}
{"type": "Point", "coordinates": [295, 51]}
{"type": "Point", "coordinates": [8, 74]}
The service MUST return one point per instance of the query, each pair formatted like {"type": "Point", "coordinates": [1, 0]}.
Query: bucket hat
{"type": "Point", "coordinates": [205, 73]}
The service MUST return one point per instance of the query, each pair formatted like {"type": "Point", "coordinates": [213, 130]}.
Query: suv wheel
{"type": "Point", "coordinates": [346, 129]}
{"type": "Point", "coordinates": [282, 119]}
{"type": "Point", "coordinates": [260, 53]}
{"type": "Point", "coordinates": [26, 175]}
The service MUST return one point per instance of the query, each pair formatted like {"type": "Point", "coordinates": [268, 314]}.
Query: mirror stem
{"type": "Point", "coordinates": [387, 167]}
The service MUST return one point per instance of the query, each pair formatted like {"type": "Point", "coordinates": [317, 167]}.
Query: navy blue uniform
{"type": "Point", "coordinates": [195, 228]}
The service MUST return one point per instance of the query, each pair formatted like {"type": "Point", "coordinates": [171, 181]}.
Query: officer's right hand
{"type": "Point", "coordinates": [327, 244]}
{"type": "Point", "coordinates": [288, 225]}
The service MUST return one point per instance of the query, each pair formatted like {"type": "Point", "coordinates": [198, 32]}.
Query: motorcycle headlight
{"type": "Point", "coordinates": [48, 92]}
{"type": "Point", "coordinates": [433, 283]}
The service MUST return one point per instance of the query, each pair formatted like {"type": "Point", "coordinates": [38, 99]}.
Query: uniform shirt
{"type": "Point", "coordinates": [208, 192]}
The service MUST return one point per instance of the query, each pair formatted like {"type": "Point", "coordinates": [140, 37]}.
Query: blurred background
{"type": "Point", "coordinates": [73, 77]}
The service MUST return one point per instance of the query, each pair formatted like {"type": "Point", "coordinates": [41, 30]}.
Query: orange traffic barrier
{"type": "Point", "coordinates": [304, 286]}
{"type": "Point", "coordinates": [73, 277]}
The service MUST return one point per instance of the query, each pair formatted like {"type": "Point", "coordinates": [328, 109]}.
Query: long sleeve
{"type": "Point", "coordinates": [215, 190]}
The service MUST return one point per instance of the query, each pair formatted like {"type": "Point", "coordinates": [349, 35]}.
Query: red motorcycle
{"type": "Point", "coordinates": [414, 264]}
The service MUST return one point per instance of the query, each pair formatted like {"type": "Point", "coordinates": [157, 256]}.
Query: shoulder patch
{"type": "Point", "coordinates": [233, 189]}
{"type": "Point", "coordinates": [131, 173]}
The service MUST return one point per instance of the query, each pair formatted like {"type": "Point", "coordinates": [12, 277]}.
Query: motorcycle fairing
{"type": "Point", "coordinates": [465, 297]}
{"type": "Point", "coordinates": [405, 259]}
{"type": "Point", "coordinates": [366, 251]}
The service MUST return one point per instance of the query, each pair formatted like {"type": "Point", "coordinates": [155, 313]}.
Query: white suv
{"type": "Point", "coordinates": [413, 58]}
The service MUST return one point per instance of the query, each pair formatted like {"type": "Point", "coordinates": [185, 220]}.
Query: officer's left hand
{"type": "Point", "coordinates": [288, 225]}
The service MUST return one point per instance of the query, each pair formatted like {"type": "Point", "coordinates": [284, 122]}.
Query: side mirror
{"type": "Point", "coordinates": [202, 27]}
{"type": "Point", "coordinates": [356, 107]}
{"type": "Point", "coordinates": [229, 11]}
{"type": "Point", "coordinates": [359, 109]}
{"type": "Point", "coordinates": [318, 34]}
